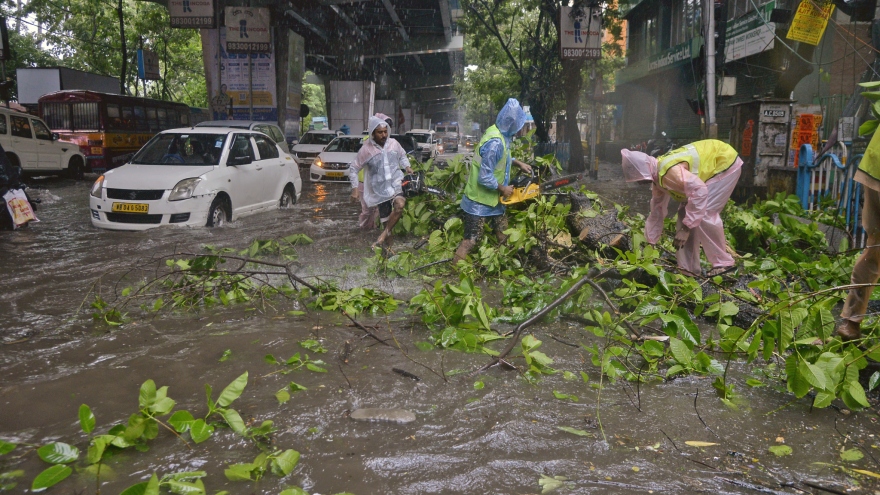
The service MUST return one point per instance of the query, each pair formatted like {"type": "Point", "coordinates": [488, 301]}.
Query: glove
{"type": "Point", "coordinates": [355, 195]}
{"type": "Point", "coordinates": [681, 237]}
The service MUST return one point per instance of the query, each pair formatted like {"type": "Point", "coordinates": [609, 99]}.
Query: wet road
{"type": "Point", "coordinates": [499, 439]}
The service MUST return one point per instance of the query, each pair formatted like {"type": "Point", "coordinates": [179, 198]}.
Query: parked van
{"type": "Point", "coordinates": [30, 145]}
{"type": "Point", "coordinates": [426, 141]}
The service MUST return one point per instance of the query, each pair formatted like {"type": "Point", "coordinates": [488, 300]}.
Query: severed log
{"type": "Point", "coordinates": [601, 232]}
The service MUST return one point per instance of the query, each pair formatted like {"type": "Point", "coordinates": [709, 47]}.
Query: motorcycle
{"type": "Point", "coordinates": [661, 146]}
{"type": "Point", "coordinates": [18, 207]}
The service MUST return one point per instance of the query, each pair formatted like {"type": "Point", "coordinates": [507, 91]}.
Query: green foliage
{"type": "Point", "coordinates": [280, 463]}
{"type": "Point", "coordinates": [296, 362]}
{"type": "Point", "coordinates": [356, 301]}
{"type": "Point", "coordinates": [187, 482]}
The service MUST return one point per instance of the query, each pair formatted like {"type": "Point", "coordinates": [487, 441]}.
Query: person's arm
{"type": "Point", "coordinates": [525, 167]}
{"type": "Point", "coordinates": [353, 170]}
{"type": "Point", "coordinates": [680, 180]}
{"type": "Point", "coordinates": [654, 223]}
{"type": "Point", "coordinates": [490, 152]}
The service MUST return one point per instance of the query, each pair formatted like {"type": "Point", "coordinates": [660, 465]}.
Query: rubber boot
{"type": "Point", "coordinates": [849, 330]}
{"type": "Point", "coordinates": [462, 251]}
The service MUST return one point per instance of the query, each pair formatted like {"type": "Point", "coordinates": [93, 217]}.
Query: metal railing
{"type": "Point", "coordinates": [829, 178]}
{"type": "Point", "coordinates": [562, 151]}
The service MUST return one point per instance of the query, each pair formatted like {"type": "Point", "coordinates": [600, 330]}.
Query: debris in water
{"type": "Point", "coordinates": [380, 414]}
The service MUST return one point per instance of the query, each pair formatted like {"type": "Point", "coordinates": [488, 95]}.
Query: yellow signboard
{"type": "Point", "coordinates": [810, 21]}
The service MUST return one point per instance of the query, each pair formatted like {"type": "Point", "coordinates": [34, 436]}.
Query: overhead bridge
{"type": "Point", "coordinates": [398, 57]}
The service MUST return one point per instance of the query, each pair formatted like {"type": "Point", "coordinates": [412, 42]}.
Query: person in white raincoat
{"type": "Point", "coordinates": [701, 176]}
{"type": "Point", "coordinates": [384, 161]}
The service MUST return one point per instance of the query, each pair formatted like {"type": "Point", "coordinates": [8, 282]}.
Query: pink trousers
{"type": "Point", "coordinates": [710, 233]}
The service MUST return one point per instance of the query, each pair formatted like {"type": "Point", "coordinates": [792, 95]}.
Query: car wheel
{"type": "Point", "coordinates": [217, 213]}
{"type": "Point", "coordinates": [288, 197]}
{"type": "Point", "coordinates": [75, 169]}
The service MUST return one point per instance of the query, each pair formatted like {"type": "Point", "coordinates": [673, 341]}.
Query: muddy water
{"type": "Point", "coordinates": [498, 439]}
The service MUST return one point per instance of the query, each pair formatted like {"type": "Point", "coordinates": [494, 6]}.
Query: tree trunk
{"type": "Point", "coordinates": [573, 82]}
{"type": "Point", "coordinates": [599, 232]}
{"type": "Point", "coordinates": [124, 71]}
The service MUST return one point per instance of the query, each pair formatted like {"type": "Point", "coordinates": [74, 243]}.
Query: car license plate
{"type": "Point", "coordinates": [131, 207]}
{"type": "Point", "coordinates": [335, 174]}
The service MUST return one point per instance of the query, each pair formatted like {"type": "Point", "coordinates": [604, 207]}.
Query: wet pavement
{"type": "Point", "coordinates": [502, 438]}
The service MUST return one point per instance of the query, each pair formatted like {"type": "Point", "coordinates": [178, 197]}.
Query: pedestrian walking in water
{"type": "Point", "coordinates": [369, 214]}
{"type": "Point", "coordinates": [488, 182]}
{"type": "Point", "coordinates": [384, 161]}
{"type": "Point", "coordinates": [867, 267]}
{"type": "Point", "coordinates": [701, 176]}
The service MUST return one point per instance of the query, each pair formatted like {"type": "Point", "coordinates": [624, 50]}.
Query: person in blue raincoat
{"type": "Point", "coordinates": [488, 182]}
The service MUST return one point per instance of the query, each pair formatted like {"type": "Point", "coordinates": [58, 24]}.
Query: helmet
{"type": "Point", "coordinates": [412, 184]}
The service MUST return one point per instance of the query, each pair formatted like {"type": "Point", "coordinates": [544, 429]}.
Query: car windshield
{"type": "Point", "coordinates": [346, 145]}
{"type": "Point", "coordinates": [422, 138]}
{"type": "Point", "coordinates": [406, 142]}
{"type": "Point", "coordinates": [316, 138]}
{"type": "Point", "coordinates": [181, 149]}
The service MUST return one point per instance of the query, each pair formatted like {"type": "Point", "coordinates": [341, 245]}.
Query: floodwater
{"type": "Point", "coordinates": [502, 438]}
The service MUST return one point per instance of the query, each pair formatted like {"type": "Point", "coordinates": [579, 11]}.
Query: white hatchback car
{"type": "Point", "coordinates": [195, 176]}
{"type": "Point", "coordinates": [332, 164]}
{"type": "Point", "coordinates": [311, 144]}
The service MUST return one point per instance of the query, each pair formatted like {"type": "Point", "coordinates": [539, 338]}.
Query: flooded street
{"type": "Point", "coordinates": [474, 433]}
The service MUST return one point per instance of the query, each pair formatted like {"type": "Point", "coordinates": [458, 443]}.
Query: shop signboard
{"type": "Point", "coordinates": [750, 34]}
{"type": "Point", "coordinates": [247, 30]}
{"type": "Point", "coordinates": [580, 33]}
{"type": "Point", "coordinates": [810, 21]}
{"type": "Point", "coordinates": [191, 13]}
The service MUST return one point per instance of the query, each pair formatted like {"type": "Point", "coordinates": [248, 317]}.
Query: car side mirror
{"type": "Point", "coordinates": [239, 160]}
{"type": "Point", "coordinates": [55, 136]}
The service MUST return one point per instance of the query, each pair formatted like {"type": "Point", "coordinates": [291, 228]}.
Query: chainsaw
{"type": "Point", "coordinates": [525, 186]}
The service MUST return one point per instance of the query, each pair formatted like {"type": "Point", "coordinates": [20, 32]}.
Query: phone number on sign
{"type": "Point", "coordinates": [192, 21]}
{"type": "Point", "coordinates": [247, 47]}
{"type": "Point", "coordinates": [582, 52]}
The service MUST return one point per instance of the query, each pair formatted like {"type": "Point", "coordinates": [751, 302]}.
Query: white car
{"type": "Point", "coordinates": [332, 164]}
{"type": "Point", "coordinates": [426, 141]}
{"type": "Point", "coordinates": [30, 144]}
{"type": "Point", "coordinates": [311, 144]}
{"type": "Point", "coordinates": [195, 176]}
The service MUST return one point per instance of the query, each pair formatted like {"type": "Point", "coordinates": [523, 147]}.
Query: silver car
{"type": "Point", "coordinates": [267, 128]}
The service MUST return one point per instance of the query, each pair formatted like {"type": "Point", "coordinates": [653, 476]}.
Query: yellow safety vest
{"type": "Point", "coordinates": [705, 159]}
{"type": "Point", "coordinates": [870, 163]}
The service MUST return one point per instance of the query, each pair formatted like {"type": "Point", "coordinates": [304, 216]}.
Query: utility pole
{"type": "Point", "coordinates": [709, 15]}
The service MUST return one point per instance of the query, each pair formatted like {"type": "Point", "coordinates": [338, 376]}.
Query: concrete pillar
{"type": "Point", "coordinates": [351, 104]}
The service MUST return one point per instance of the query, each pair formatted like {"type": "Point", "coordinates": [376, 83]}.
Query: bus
{"type": "Point", "coordinates": [447, 134]}
{"type": "Point", "coordinates": [108, 128]}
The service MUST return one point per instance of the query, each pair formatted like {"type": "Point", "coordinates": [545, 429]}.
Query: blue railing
{"type": "Point", "coordinates": [829, 177]}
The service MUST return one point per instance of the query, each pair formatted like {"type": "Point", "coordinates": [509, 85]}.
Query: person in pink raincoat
{"type": "Point", "coordinates": [384, 162]}
{"type": "Point", "coordinates": [701, 176]}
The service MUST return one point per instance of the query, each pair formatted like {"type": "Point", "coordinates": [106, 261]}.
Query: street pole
{"type": "Point", "coordinates": [250, 85]}
{"type": "Point", "coordinates": [711, 125]}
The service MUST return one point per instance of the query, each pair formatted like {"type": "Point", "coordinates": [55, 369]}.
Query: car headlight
{"type": "Point", "coordinates": [184, 189]}
{"type": "Point", "coordinates": [96, 187]}
{"type": "Point", "coordinates": [319, 163]}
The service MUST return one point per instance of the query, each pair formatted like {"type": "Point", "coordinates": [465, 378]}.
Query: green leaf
{"type": "Point", "coordinates": [284, 463]}
{"type": "Point", "coordinates": [233, 419]}
{"type": "Point", "coordinates": [97, 447]}
{"type": "Point", "coordinates": [201, 431]}
{"type": "Point", "coordinates": [282, 395]}
{"type": "Point", "coordinates": [86, 419]}
{"type": "Point", "coordinates": [813, 374]}
{"type": "Point", "coordinates": [50, 477]}
{"type": "Point", "coordinates": [851, 455]}
{"type": "Point", "coordinates": [233, 390]}
{"type": "Point", "coordinates": [196, 487]}
{"type": "Point", "coordinates": [226, 355]}
{"type": "Point", "coordinates": [162, 406]}
{"type": "Point", "coordinates": [315, 368]}
{"type": "Point", "coordinates": [858, 395]}
{"type": "Point", "coordinates": [872, 382]}
{"type": "Point", "coordinates": [240, 472]}
{"type": "Point", "coordinates": [478, 385]}
{"type": "Point", "coordinates": [680, 352]}
{"type": "Point", "coordinates": [294, 491]}
{"type": "Point", "coordinates": [296, 387]}
{"type": "Point", "coordinates": [868, 127]}
{"type": "Point", "coordinates": [780, 450]}
{"type": "Point", "coordinates": [561, 396]}
{"type": "Point", "coordinates": [752, 382]}
{"type": "Point", "coordinates": [181, 421]}
{"type": "Point", "coordinates": [58, 453]}
{"type": "Point", "coordinates": [574, 431]}
{"type": "Point", "coordinates": [6, 447]}
{"type": "Point", "coordinates": [147, 395]}
{"type": "Point", "coordinates": [823, 399]}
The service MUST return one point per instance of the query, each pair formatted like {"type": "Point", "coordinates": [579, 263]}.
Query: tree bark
{"type": "Point", "coordinates": [124, 71]}
{"type": "Point", "coordinates": [573, 82]}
